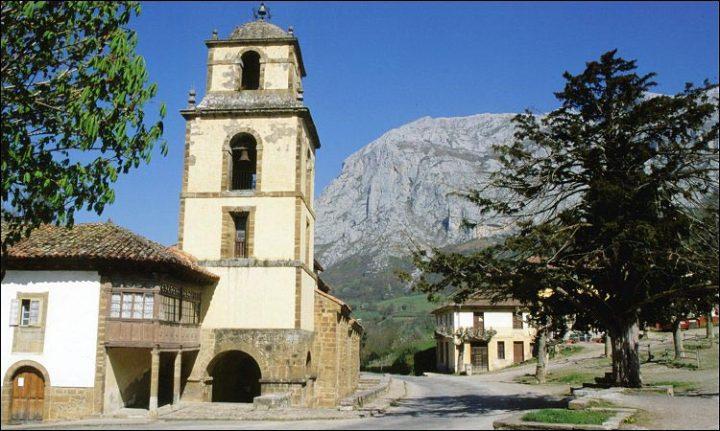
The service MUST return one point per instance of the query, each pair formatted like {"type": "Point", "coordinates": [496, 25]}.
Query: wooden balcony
{"type": "Point", "coordinates": [148, 333]}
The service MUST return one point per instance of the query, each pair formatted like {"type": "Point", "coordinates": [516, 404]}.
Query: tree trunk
{"type": "Point", "coordinates": [460, 358]}
{"type": "Point", "coordinates": [608, 346]}
{"type": "Point", "coordinates": [626, 355]}
{"type": "Point", "coordinates": [542, 356]}
{"type": "Point", "coordinates": [709, 325]}
{"type": "Point", "coordinates": [677, 339]}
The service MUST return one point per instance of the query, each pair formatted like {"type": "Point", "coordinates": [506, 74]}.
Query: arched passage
{"type": "Point", "coordinates": [235, 376]}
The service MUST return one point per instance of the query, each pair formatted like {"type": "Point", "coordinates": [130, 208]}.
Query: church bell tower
{"type": "Point", "coordinates": [246, 207]}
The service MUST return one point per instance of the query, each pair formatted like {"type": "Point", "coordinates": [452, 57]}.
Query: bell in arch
{"type": "Point", "coordinates": [244, 155]}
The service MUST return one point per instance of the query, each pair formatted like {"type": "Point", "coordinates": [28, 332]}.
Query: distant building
{"type": "Point", "coordinates": [478, 336]}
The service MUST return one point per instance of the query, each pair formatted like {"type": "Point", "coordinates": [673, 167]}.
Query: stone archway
{"type": "Point", "coordinates": [31, 394]}
{"type": "Point", "coordinates": [235, 377]}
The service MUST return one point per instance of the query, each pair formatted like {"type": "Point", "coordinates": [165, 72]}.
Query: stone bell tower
{"type": "Point", "coordinates": [246, 214]}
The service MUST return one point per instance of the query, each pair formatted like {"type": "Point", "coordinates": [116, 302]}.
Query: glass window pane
{"type": "Point", "coordinates": [148, 310]}
{"type": "Point", "coordinates": [138, 306]}
{"type": "Point", "coordinates": [25, 312]}
{"type": "Point", "coordinates": [115, 305]}
{"type": "Point", "coordinates": [127, 305]}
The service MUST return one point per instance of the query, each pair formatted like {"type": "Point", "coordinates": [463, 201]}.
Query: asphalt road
{"type": "Point", "coordinates": [436, 402]}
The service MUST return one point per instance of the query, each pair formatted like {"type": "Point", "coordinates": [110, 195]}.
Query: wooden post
{"type": "Point", "coordinates": [177, 376]}
{"type": "Point", "coordinates": [154, 375]}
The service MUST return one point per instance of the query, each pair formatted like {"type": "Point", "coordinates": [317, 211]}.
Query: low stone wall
{"type": "Point", "coordinates": [70, 403]}
{"type": "Point", "coordinates": [365, 396]}
{"type": "Point", "coordinates": [272, 401]}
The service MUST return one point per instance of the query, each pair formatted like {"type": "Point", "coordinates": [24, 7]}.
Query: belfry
{"type": "Point", "coordinates": [246, 214]}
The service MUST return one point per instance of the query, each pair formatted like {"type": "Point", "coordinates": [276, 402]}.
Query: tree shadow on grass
{"type": "Point", "coordinates": [472, 405]}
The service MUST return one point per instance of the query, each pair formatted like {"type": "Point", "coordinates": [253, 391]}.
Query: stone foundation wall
{"type": "Point", "coordinates": [336, 351]}
{"type": "Point", "coordinates": [70, 403]}
{"type": "Point", "coordinates": [281, 355]}
{"type": "Point", "coordinates": [61, 403]}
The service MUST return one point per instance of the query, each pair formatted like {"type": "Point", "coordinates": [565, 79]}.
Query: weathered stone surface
{"type": "Point", "coordinates": [405, 184]}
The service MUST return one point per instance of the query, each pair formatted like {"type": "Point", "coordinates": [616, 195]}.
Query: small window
{"type": "Point", "coordinates": [240, 238]}
{"type": "Point", "coordinates": [479, 321]}
{"type": "Point", "coordinates": [250, 71]}
{"type": "Point", "coordinates": [29, 312]}
{"type": "Point", "coordinates": [501, 349]}
{"type": "Point", "coordinates": [130, 305]}
{"type": "Point", "coordinates": [517, 321]}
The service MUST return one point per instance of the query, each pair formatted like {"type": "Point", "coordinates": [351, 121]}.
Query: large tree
{"type": "Point", "coordinates": [73, 93]}
{"type": "Point", "coordinates": [600, 192]}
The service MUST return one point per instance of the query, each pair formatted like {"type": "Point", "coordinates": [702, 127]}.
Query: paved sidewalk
{"type": "Point", "coordinates": [228, 413]}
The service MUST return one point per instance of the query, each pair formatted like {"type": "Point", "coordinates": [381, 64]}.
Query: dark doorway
{"type": "Point", "coordinates": [236, 377]}
{"type": "Point", "coordinates": [479, 357]}
{"type": "Point", "coordinates": [518, 352]}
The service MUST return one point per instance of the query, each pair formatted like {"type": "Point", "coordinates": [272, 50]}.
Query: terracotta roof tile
{"type": "Point", "coordinates": [102, 242]}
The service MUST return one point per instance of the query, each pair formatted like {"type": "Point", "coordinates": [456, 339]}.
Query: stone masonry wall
{"type": "Point", "coordinates": [336, 352]}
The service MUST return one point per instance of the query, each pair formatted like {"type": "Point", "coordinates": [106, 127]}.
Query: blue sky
{"type": "Point", "coordinates": [375, 66]}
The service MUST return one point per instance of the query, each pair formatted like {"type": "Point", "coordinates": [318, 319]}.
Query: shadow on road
{"type": "Point", "coordinates": [471, 405]}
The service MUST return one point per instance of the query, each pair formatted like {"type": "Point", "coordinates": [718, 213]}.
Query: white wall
{"type": "Point", "coordinates": [465, 319]}
{"type": "Point", "coordinates": [70, 327]}
{"type": "Point", "coordinates": [498, 319]}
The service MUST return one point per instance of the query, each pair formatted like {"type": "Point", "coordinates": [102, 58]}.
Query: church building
{"type": "Point", "coordinates": [97, 319]}
{"type": "Point", "coordinates": [246, 214]}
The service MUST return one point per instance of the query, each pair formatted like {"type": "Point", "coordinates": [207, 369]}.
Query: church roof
{"type": "Point", "coordinates": [258, 30]}
{"type": "Point", "coordinates": [93, 245]}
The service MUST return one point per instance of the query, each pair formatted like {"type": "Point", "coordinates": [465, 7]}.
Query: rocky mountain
{"type": "Point", "coordinates": [404, 186]}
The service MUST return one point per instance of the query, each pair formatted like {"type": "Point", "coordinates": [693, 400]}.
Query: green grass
{"type": "Point", "coordinates": [563, 416]}
{"type": "Point", "coordinates": [573, 378]}
{"type": "Point", "coordinates": [678, 386]}
{"type": "Point", "coordinates": [569, 350]}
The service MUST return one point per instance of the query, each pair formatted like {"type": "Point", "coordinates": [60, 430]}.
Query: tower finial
{"type": "Point", "coordinates": [262, 12]}
{"type": "Point", "coordinates": [191, 97]}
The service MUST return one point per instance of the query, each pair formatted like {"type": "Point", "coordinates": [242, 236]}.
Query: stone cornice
{"type": "Point", "coordinates": [257, 263]}
{"type": "Point", "coordinates": [303, 112]}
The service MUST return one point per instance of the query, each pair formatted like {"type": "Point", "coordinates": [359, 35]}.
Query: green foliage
{"type": "Point", "coordinates": [563, 416]}
{"type": "Point", "coordinates": [603, 192]}
{"type": "Point", "coordinates": [73, 91]}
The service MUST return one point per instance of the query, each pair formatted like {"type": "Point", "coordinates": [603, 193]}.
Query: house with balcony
{"type": "Point", "coordinates": [95, 319]}
{"type": "Point", "coordinates": [478, 336]}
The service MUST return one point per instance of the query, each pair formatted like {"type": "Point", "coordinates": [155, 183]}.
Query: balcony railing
{"type": "Point", "coordinates": [150, 333]}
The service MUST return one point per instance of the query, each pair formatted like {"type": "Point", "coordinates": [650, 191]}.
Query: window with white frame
{"type": "Point", "coordinates": [132, 305]}
{"type": "Point", "coordinates": [25, 312]}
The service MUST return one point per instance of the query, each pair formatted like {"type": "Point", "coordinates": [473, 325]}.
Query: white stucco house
{"type": "Point", "coordinates": [479, 336]}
